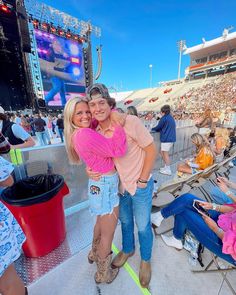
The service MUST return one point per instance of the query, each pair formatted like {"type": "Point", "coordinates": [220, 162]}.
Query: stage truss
{"type": "Point", "coordinates": [47, 14]}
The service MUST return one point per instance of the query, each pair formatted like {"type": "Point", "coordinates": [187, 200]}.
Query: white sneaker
{"type": "Point", "coordinates": [165, 171]}
{"type": "Point", "coordinates": [172, 242]}
{"type": "Point", "coordinates": [156, 218]}
{"type": "Point", "coordinates": [231, 164]}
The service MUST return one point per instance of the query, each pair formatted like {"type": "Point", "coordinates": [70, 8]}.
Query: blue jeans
{"type": "Point", "coordinates": [220, 197]}
{"type": "Point", "coordinates": [139, 207]}
{"type": "Point", "coordinates": [58, 85]}
{"type": "Point", "coordinates": [61, 132]}
{"type": "Point", "coordinates": [187, 218]}
{"type": "Point", "coordinates": [41, 137]}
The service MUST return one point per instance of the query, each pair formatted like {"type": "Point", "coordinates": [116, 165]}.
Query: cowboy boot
{"type": "Point", "coordinates": [92, 256]}
{"type": "Point", "coordinates": [145, 273]}
{"type": "Point", "coordinates": [104, 272]}
{"type": "Point", "coordinates": [120, 259]}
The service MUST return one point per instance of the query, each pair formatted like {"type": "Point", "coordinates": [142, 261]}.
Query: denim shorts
{"type": "Point", "coordinates": [103, 194]}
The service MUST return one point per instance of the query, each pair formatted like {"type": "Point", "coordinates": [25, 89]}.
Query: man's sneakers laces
{"type": "Point", "coordinates": [156, 218]}
{"type": "Point", "coordinates": [172, 242]}
{"type": "Point", "coordinates": [165, 170]}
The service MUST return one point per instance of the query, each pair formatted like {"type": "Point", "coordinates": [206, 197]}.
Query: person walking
{"type": "Point", "coordinates": [40, 131]}
{"type": "Point", "coordinates": [167, 128]}
{"type": "Point", "coordinates": [134, 170]}
{"type": "Point", "coordinates": [60, 126]}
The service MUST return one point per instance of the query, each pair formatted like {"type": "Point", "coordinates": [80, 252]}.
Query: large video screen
{"type": "Point", "coordinates": [62, 69]}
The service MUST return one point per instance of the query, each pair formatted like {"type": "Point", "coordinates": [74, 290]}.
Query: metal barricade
{"type": "Point", "coordinates": [53, 159]}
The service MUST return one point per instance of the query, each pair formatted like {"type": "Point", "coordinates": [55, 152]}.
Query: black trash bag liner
{"type": "Point", "coordinates": [33, 190]}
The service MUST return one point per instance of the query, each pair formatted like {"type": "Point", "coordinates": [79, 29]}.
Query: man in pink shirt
{"type": "Point", "coordinates": [134, 170]}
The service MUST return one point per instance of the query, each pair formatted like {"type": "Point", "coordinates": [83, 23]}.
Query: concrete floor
{"type": "Point", "coordinates": [66, 270]}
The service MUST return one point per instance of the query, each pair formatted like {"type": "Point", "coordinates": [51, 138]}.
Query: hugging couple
{"type": "Point", "coordinates": [117, 149]}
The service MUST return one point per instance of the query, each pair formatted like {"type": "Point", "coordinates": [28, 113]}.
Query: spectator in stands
{"type": "Point", "coordinates": [60, 126]}
{"type": "Point", "coordinates": [205, 124]}
{"type": "Point", "coordinates": [131, 110]}
{"type": "Point", "coordinates": [225, 193]}
{"type": "Point", "coordinates": [220, 143]}
{"type": "Point", "coordinates": [11, 240]}
{"type": "Point", "coordinates": [167, 129]}
{"type": "Point", "coordinates": [97, 152]}
{"type": "Point", "coordinates": [135, 174]}
{"type": "Point", "coordinates": [15, 134]}
{"type": "Point", "coordinates": [203, 159]}
{"type": "Point", "coordinates": [217, 232]}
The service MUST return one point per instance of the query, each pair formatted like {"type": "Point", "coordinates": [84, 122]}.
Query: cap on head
{"type": "Point", "coordinates": [99, 88]}
{"type": "Point", "coordinates": [2, 110]}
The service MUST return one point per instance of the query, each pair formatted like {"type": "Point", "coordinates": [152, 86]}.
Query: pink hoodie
{"type": "Point", "coordinates": [227, 222]}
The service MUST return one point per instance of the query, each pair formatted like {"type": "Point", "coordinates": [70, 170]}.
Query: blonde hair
{"type": "Point", "coordinates": [224, 133]}
{"type": "Point", "coordinates": [201, 142]}
{"type": "Point", "coordinates": [70, 127]}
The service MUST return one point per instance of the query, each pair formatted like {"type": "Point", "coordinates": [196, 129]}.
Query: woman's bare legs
{"type": "Point", "coordinates": [107, 224]}
{"type": "Point", "coordinates": [11, 283]}
{"type": "Point", "coordinates": [185, 168]}
{"type": "Point", "coordinates": [97, 230]}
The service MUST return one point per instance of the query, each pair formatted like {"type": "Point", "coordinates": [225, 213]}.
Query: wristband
{"type": "Point", "coordinates": [214, 206]}
{"type": "Point", "coordinates": [142, 181]}
{"type": "Point", "coordinates": [228, 193]}
{"type": "Point", "coordinates": [219, 231]}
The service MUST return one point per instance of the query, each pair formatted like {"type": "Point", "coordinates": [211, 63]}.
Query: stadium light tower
{"type": "Point", "coordinates": [181, 44]}
{"type": "Point", "coordinates": [150, 67]}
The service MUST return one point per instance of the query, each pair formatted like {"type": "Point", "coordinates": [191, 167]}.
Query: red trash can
{"type": "Point", "coordinates": [37, 204]}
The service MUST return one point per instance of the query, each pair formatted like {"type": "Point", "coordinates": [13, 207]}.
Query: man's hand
{"type": "Point", "coordinates": [118, 118]}
{"type": "Point", "coordinates": [93, 175]}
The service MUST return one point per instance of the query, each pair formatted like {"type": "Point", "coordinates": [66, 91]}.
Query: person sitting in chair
{"type": "Point", "coordinates": [203, 159]}
{"type": "Point", "coordinates": [217, 232]}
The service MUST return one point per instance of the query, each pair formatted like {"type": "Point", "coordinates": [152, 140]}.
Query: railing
{"type": "Point", "coordinates": [53, 159]}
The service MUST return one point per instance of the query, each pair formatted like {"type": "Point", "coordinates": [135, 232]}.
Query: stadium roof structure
{"type": "Point", "coordinates": [225, 42]}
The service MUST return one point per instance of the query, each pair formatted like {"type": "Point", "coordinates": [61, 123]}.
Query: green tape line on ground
{"type": "Point", "coordinates": [131, 272]}
{"type": "Point", "coordinates": [19, 156]}
{"type": "Point", "coordinates": [13, 157]}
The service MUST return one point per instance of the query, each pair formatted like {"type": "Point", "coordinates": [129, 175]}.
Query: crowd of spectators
{"type": "Point", "coordinates": [219, 94]}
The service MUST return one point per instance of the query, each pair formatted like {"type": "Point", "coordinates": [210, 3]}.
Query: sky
{"type": "Point", "coordinates": [137, 34]}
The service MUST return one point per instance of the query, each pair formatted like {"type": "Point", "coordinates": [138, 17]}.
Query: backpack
{"type": "Point", "coordinates": [191, 244]}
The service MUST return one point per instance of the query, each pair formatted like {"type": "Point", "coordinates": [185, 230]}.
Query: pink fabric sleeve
{"type": "Point", "coordinates": [229, 243]}
{"type": "Point", "coordinates": [229, 239]}
{"type": "Point", "coordinates": [112, 147]}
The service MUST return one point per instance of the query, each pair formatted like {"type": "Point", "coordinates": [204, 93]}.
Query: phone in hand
{"type": "Point", "coordinates": [199, 208]}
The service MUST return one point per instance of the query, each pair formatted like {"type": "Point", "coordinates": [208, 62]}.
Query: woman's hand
{"type": "Point", "coordinates": [222, 184]}
{"type": "Point", "coordinates": [224, 180]}
{"type": "Point", "coordinates": [117, 118]}
{"type": "Point", "coordinates": [205, 205]}
{"type": "Point", "coordinates": [93, 175]}
{"type": "Point", "coordinates": [211, 223]}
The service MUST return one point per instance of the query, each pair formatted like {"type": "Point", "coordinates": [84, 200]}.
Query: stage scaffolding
{"type": "Point", "coordinates": [47, 14]}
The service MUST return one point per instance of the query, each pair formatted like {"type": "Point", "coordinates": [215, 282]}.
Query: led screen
{"type": "Point", "coordinates": [61, 66]}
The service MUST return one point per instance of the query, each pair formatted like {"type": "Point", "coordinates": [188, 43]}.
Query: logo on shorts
{"type": "Point", "coordinates": [94, 190]}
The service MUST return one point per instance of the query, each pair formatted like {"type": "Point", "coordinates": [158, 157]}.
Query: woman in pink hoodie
{"type": "Point", "coordinates": [97, 152]}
